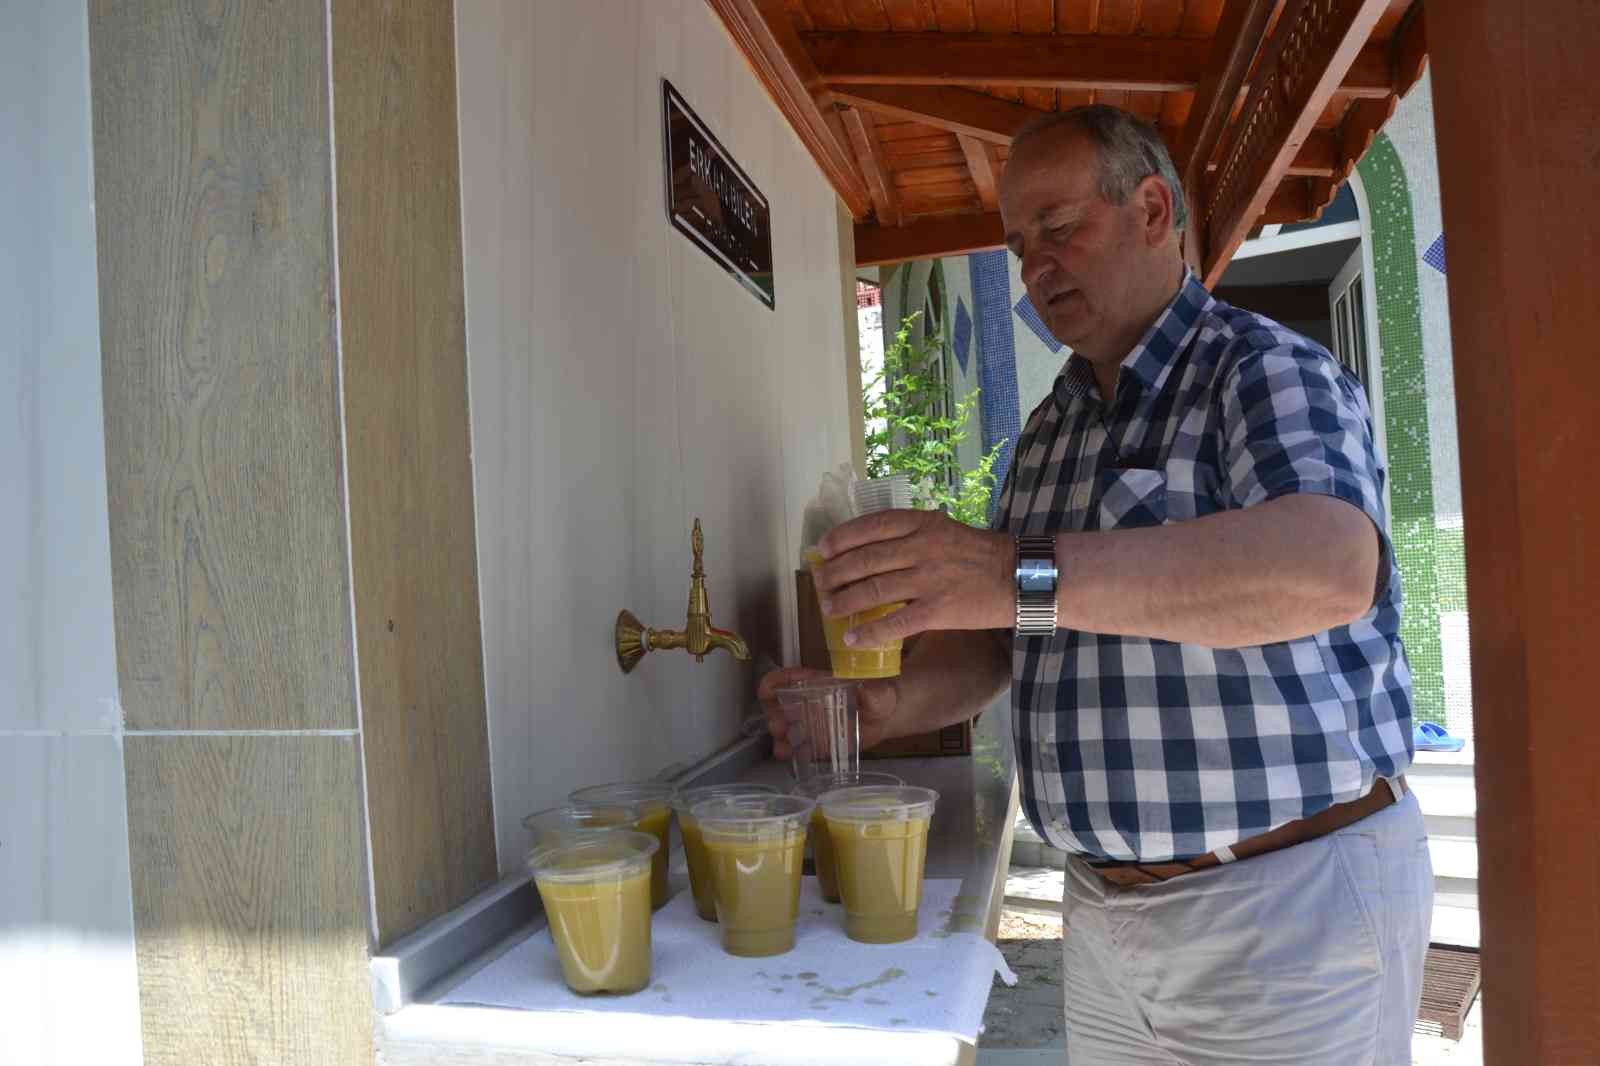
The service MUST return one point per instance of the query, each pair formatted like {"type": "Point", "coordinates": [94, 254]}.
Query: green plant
{"type": "Point", "coordinates": [908, 431]}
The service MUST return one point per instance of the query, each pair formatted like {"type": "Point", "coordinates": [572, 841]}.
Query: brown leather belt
{"type": "Point", "coordinates": [1129, 874]}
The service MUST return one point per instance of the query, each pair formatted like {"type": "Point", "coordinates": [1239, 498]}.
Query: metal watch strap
{"type": "Point", "coordinates": [1037, 581]}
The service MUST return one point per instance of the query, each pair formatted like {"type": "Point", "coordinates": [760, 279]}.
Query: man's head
{"type": "Point", "coordinates": [1095, 210]}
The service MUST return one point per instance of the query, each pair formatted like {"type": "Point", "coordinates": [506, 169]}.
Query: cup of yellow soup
{"type": "Point", "coordinates": [879, 835]}
{"type": "Point", "coordinates": [755, 846]}
{"type": "Point", "coordinates": [701, 882]}
{"type": "Point", "coordinates": [858, 662]}
{"type": "Point", "coordinates": [596, 892]}
{"type": "Point", "coordinates": [653, 801]}
{"type": "Point", "coordinates": [821, 847]}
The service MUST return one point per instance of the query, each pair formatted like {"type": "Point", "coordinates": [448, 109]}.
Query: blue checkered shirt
{"type": "Point", "coordinates": [1147, 749]}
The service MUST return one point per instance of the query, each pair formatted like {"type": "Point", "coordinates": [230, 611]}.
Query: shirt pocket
{"type": "Point", "coordinates": [1130, 499]}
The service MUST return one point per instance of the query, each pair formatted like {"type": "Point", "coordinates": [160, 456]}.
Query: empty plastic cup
{"type": "Point", "coordinates": [880, 842]}
{"type": "Point", "coordinates": [694, 848]}
{"type": "Point", "coordinates": [596, 892]}
{"type": "Point", "coordinates": [821, 845]}
{"type": "Point", "coordinates": [653, 799]}
{"type": "Point", "coordinates": [824, 726]}
{"type": "Point", "coordinates": [756, 845]}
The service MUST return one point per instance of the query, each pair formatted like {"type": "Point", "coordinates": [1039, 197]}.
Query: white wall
{"type": "Point", "coordinates": [622, 384]}
{"type": "Point", "coordinates": [66, 915]}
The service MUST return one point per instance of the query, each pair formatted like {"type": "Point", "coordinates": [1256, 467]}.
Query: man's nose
{"type": "Point", "coordinates": [1035, 267]}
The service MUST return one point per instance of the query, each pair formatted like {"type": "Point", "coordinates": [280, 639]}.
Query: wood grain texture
{"type": "Point", "coordinates": [1522, 323]}
{"type": "Point", "coordinates": [249, 900]}
{"type": "Point", "coordinates": [413, 546]}
{"type": "Point", "coordinates": [220, 379]}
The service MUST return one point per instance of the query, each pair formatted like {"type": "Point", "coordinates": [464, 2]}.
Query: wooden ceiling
{"type": "Point", "coordinates": [909, 105]}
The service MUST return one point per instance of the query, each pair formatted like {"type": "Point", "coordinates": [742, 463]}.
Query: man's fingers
{"type": "Point", "coordinates": [868, 529]}
{"type": "Point", "coordinates": [906, 622]}
{"type": "Point", "coordinates": [876, 591]}
{"type": "Point", "coordinates": [879, 558]}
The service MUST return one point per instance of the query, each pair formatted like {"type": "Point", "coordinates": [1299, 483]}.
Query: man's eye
{"type": "Point", "coordinates": [1060, 233]}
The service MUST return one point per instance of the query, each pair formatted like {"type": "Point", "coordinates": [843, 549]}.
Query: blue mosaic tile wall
{"type": "Point", "coordinates": [997, 358]}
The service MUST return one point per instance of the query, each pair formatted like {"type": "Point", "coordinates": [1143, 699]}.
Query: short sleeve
{"type": "Point", "coordinates": [1293, 421]}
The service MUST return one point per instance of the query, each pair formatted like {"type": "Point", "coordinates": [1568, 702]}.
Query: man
{"type": "Point", "coordinates": [1191, 594]}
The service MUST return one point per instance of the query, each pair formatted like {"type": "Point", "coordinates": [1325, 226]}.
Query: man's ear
{"type": "Point", "coordinates": [1154, 198]}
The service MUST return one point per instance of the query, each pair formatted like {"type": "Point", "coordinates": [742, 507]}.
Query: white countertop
{"type": "Point", "coordinates": [969, 833]}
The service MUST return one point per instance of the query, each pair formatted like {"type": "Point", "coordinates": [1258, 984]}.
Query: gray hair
{"type": "Point", "coordinates": [1130, 151]}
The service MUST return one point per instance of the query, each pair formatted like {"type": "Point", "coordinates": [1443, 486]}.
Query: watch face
{"type": "Point", "coordinates": [1036, 575]}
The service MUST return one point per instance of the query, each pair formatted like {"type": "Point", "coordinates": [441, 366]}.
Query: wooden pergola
{"type": "Point", "coordinates": [908, 106]}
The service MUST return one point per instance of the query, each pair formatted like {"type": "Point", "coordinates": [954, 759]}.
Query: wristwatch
{"type": "Point", "coordinates": [1037, 580]}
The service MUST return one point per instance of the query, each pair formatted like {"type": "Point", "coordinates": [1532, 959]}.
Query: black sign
{"type": "Point", "coordinates": [714, 202]}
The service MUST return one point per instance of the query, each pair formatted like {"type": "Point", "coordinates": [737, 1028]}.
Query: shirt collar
{"type": "Point", "coordinates": [1148, 362]}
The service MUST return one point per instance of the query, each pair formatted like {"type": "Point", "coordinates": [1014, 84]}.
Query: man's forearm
{"type": "Point", "coordinates": [950, 676]}
{"type": "Point", "coordinates": [1281, 570]}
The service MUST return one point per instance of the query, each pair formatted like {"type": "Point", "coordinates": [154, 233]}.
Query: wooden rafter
{"type": "Point", "coordinates": [980, 164]}
{"type": "Point", "coordinates": [960, 111]}
{"type": "Point", "coordinates": [1078, 61]}
{"type": "Point", "coordinates": [1063, 62]}
{"type": "Point", "coordinates": [869, 154]}
{"type": "Point", "coordinates": [762, 31]}
{"type": "Point", "coordinates": [1233, 50]}
{"type": "Point", "coordinates": [940, 235]}
{"type": "Point", "coordinates": [1311, 49]}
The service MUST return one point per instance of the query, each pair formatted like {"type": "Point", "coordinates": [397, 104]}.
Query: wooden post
{"type": "Point", "coordinates": [1516, 115]}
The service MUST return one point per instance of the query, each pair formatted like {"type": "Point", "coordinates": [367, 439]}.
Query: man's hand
{"type": "Point", "coordinates": [948, 575]}
{"type": "Point", "coordinates": [877, 700]}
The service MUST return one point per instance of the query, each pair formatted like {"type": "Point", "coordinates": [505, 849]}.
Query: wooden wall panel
{"type": "Point", "coordinates": [216, 314]}
{"type": "Point", "coordinates": [424, 725]}
{"type": "Point", "coordinates": [249, 899]}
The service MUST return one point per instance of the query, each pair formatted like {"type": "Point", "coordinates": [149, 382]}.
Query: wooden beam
{"type": "Point", "coordinates": [927, 238]}
{"type": "Point", "coordinates": [869, 155]}
{"type": "Point", "coordinates": [960, 111]}
{"type": "Point", "coordinates": [1319, 157]}
{"type": "Point", "coordinates": [1233, 49]}
{"type": "Point", "coordinates": [1515, 112]}
{"type": "Point", "coordinates": [1312, 48]}
{"type": "Point", "coordinates": [981, 165]}
{"type": "Point", "coordinates": [1072, 61]}
{"type": "Point", "coordinates": [1291, 202]}
{"type": "Point", "coordinates": [1079, 61]}
{"type": "Point", "coordinates": [762, 31]}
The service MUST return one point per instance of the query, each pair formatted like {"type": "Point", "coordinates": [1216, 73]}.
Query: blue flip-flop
{"type": "Point", "coordinates": [1429, 736]}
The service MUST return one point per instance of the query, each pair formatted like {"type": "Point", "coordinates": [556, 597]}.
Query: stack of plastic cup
{"type": "Point", "coordinates": [880, 843]}
{"type": "Point", "coordinates": [824, 726]}
{"type": "Point", "coordinates": [882, 494]}
{"type": "Point", "coordinates": [756, 846]}
{"type": "Point", "coordinates": [596, 892]}
{"type": "Point", "coordinates": [821, 847]}
{"type": "Point", "coordinates": [694, 848]}
{"type": "Point", "coordinates": [653, 801]}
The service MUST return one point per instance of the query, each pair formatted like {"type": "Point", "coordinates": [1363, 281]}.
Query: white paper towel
{"type": "Point", "coordinates": [935, 983]}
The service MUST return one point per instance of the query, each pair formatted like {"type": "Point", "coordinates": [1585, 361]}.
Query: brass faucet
{"type": "Point", "coordinates": [699, 636]}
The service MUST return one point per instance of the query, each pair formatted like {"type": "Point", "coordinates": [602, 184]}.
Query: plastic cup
{"type": "Point", "coordinates": [821, 843]}
{"type": "Point", "coordinates": [556, 823]}
{"type": "Point", "coordinates": [653, 800]}
{"type": "Point", "coordinates": [596, 892]}
{"type": "Point", "coordinates": [824, 726]}
{"type": "Point", "coordinates": [756, 845]}
{"type": "Point", "coordinates": [861, 662]}
{"type": "Point", "coordinates": [694, 848]}
{"type": "Point", "coordinates": [880, 843]}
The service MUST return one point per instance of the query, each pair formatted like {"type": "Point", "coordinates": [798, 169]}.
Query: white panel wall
{"type": "Point", "coordinates": [66, 919]}
{"type": "Point", "coordinates": [622, 384]}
